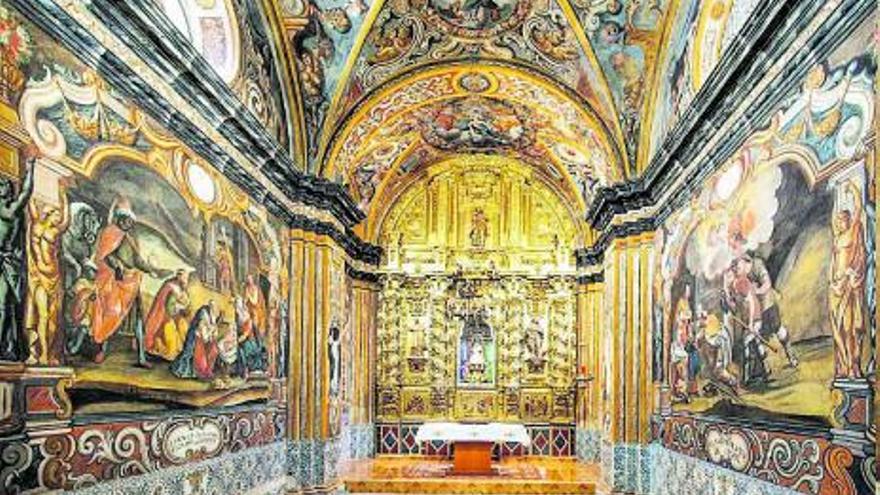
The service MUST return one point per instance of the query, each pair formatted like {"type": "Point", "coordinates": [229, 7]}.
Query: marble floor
{"type": "Point", "coordinates": [428, 475]}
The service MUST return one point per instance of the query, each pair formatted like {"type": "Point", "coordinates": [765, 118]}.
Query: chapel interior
{"type": "Point", "coordinates": [438, 247]}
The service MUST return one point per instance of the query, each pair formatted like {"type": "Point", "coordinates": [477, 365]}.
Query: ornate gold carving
{"type": "Point", "coordinates": [479, 213]}
{"type": "Point", "coordinates": [536, 405]}
{"type": "Point", "coordinates": [421, 320]}
{"type": "Point", "coordinates": [416, 403]}
{"type": "Point", "coordinates": [471, 404]}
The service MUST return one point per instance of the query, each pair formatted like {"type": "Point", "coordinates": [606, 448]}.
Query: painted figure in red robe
{"type": "Point", "coordinates": [120, 267]}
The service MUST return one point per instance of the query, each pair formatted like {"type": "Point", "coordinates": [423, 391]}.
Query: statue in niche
{"type": "Point", "coordinates": [536, 353]}
{"type": "Point", "coordinates": [479, 229]}
{"type": "Point", "coordinates": [12, 263]}
{"type": "Point", "coordinates": [476, 352]}
{"type": "Point", "coordinates": [334, 358]}
{"type": "Point", "coordinates": [418, 350]}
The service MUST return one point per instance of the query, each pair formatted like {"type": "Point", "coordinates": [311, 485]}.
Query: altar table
{"type": "Point", "coordinates": [473, 442]}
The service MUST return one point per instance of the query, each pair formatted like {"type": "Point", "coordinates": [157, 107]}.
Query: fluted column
{"type": "Point", "coordinates": [313, 440]}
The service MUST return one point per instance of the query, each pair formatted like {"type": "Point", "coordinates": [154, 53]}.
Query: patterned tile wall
{"type": "Point", "coordinates": [588, 445]}
{"type": "Point", "coordinates": [254, 471]}
{"type": "Point", "coordinates": [678, 474]}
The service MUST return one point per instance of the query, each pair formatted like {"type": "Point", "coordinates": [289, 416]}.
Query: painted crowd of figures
{"type": "Point", "coordinates": [103, 269]}
{"type": "Point", "coordinates": [750, 322]}
{"type": "Point", "coordinates": [106, 298]}
{"type": "Point", "coordinates": [724, 348]}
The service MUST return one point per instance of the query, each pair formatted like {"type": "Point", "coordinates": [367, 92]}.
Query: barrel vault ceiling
{"type": "Point", "coordinates": [390, 85]}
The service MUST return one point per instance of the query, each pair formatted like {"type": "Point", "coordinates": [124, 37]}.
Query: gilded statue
{"type": "Point", "coordinates": [479, 229]}
{"type": "Point", "coordinates": [534, 346]}
{"type": "Point", "coordinates": [846, 294]}
{"type": "Point", "coordinates": [12, 262]}
{"type": "Point", "coordinates": [47, 222]}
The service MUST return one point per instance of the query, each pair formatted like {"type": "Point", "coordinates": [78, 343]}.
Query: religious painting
{"type": "Point", "coordinates": [624, 36]}
{"type": "Point", "coordinates": [759, 298]}
{"type": "Point", "coordinates": [479, 14]}
{"type": "Point", "coordinates": [536, 405]}
{"type": "Point", "coordinates": [764, 276]}
{"type": "Point", "coordinates": [417, 403]}
{"type": "Point", "coordinates": [475, 405]}
{"type": "Point", "coordinates": [321, 49]}
{"type": "Point", "coordinates": [410, 33]}
{"type": "Point", "coordinates": [478, 124]}
{"type": "Point", "coordinates": [145, 276]}
{"type": "Point", "coordinates": [476, 353]}
{"type": "Point", "coordinates": [157, 297]}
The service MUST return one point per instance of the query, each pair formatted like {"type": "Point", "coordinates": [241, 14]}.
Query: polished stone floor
{"type": "Point", "coordinates": [428, 475]}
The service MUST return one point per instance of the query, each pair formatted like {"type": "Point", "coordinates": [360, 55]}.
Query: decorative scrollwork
{"type": "Point", "coordinates": [15, 458]}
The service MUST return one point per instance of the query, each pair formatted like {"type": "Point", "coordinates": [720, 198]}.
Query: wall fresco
{"type": "Point", "coordinates": [149, 277]}
{"type": "Point", "coordinates": [764, 271]}
{"type": "Point", "coordinates": [765, 283]}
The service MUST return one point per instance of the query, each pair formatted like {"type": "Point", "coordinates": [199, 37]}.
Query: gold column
{"type": "Point", "coordinates": [646, 379]}
{"type": "Point", "coordinates": [365, 298]}
{"type": "Point", "coordinates": [617, 327]}
{"type": "Point", "coordinates": [623, 345]}
{"type": "Point", "coordinates": [584, 355]}
{"type": "Point", "coordinates": [309, 423]}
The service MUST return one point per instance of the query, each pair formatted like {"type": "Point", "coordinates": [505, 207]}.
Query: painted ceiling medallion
{"type": "Point", "coordinates": [475, 123]}
{"type": "Point", "coordinates": [474, 82]}
{"type": "Point", "coordinates": [407, 36]}
{"type": "Point", "coordinates": [477, 19]}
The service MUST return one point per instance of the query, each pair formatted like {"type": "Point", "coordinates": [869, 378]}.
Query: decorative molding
{"type": "Point", "coordinates": [806, 462]}
{"type": "Point", "coordinates": [361, 275]}
{"type": "Point", "coordinates": [268, 174]}
{"type": "Point", "coordinates": [722, 111]}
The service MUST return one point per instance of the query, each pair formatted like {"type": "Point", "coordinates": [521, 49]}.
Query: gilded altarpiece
{"type": "Point", "coordinates": [431, 332]}
{"type": "Point", "coordinates": [477, 315]}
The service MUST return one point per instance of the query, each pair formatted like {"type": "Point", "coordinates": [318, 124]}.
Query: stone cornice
{"type": "Point", "coordinates": [725, 113]}
{"type": "Point", "coordinates": [363, 276]}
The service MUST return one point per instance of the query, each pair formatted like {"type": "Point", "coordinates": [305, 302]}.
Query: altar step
{"type": "Point", "coordinates": [515, 476]}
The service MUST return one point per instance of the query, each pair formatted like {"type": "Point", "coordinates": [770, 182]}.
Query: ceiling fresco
{"type": "Point", "coordinates": [698, 35]}
{"type": "Point", "coordinates": [321, 49]}
{"type": "Point", "coordinates": [490, 110]}
{"type": "Point", "coordinates": [625, 36]}
{"type": "Point", "coordinates": [407, 35]}
{"type": "Point", "coordinates": [614, 77]}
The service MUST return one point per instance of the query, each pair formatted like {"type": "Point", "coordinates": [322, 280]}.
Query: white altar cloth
{"type": "Point", "coordinates": [459, 432]}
